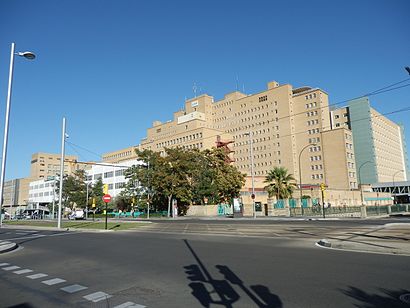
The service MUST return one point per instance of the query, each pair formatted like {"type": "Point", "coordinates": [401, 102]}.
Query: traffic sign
{"type": "Point", "coordinates": [107, 198]}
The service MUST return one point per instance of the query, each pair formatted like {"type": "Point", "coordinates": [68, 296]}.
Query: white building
{"type": "Point", "coordinates": [111, 174]}
{"type": "Point", "coordinates": [41, 191]}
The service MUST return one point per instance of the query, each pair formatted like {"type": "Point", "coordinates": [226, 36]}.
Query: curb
{"type": "Point", "coordinates": [6, 246]}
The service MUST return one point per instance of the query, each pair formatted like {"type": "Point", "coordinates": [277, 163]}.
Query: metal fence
{"type": "Point", "coordinates": [329, 211]}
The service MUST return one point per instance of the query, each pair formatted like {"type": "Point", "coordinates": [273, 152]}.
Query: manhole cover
{"type": "Point", "coordinates": [405, 298]}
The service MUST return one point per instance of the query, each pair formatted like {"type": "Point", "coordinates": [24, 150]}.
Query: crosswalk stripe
{"type": "Point", "coordinates": [97, 296]}
{"type": "Point", "coordinates": [36, 276]}
{"type": "Point", "coordinates": [4, 264]}
{"type": "Point", "coordinates": [10, 268]}
{"type": "Point", "coordinates": [53, 281]}
{"type": "Point", "coordinates": [73, 288]}
{"type": "Point", "coordinates": [23, 271]}
{"type": "Point", "coordinates": [130, 305]}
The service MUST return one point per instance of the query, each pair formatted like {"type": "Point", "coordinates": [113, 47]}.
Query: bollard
{"type": "Point", "coordinates": [363, 212]}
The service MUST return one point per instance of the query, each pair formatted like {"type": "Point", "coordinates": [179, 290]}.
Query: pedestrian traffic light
{"type": "Point", "coordinates": [105, 189]}
{"type": "Point", "coordinates": [194, 273]}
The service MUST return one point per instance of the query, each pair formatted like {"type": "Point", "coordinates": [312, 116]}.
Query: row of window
{"type": "Point", "coordinates": [310, 96]}
{"type": "Point", "coordinates": [316, 157]}
{"type": "Point", "coordinates": [263, 98]}
{"type": "Point", "coordinates": [349, 146]}
{"type": "Point", "coordinates": [316, 167]}
{"type": "Point", "coordinates": [118, 155]}
{"type": "Point", "coordinates": [350, 165]}
{"type": "Point", "coordinates": [352, 174]}
{"type": "Point", "coordinates": [315, 149]}
{"type": "Point", "coordinates": [311, 113]}
{"type": "Point", "coordinates": [313, 131]}
{"type": "Point", "coordinates": [311, 105]}
{"type": "Point", "coordinates": [180, 140]}
{"type": "Point", "coordinates": [314, 140]}
{"type": "Point", "coordinates": [313, 122]}
{"type": "Point", "coordinates": [316, 176]}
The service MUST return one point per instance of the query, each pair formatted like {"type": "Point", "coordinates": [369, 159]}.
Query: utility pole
{"type": "Point", "coordinates": [61, 174]}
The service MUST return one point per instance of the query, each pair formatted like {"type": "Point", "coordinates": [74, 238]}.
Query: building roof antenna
{"type": "Point", "coordinates": [194, 88]}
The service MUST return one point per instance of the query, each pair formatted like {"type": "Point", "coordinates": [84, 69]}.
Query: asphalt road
{"type": "Point", "coordinates": [157, 268]}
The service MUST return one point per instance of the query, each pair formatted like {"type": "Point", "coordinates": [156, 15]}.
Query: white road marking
{"type": "Point", "coordinates": [24, 271]}
{"type": "Point", "coordinates": [36, 276]}
{"type": "Point", "coordinates": [73, 288]}
{"type": "Point", "coordinates": [4, 264]}
{"type": "Point", "coordinates": [53, 281]}
{"type": "Point", "coordinates": [97, 296]}
{"type": "Point", "coordinates": [129, 305]}
{"type": "Point", "coordinates": [10, 268]}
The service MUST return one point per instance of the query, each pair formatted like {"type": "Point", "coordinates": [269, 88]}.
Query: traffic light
{"type": "Point", "coordinates": [322, 187]}
{"type": "Point", "coordinates": [194, 273]}
{"type": "Point", "coordinates": [105, 189]}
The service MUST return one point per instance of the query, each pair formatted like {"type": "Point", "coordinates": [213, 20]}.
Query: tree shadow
{"type": "Point", "coordinates": [209, 290]}
{"type": "Point", "coordinates": [386, 298]}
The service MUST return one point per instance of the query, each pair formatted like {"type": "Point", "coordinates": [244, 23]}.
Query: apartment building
{"type": "Point", "coordinates": [280, 122]}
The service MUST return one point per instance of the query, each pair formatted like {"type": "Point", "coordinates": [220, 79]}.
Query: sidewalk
{"type": "Point", "coordinates": [6, 246]}
{"type": "Point", "coordinates": [391, 238]}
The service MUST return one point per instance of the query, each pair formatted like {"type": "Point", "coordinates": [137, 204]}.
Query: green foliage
{"type": "Point", "coordinates": [280, 183]}
{"type": "Point", "coordinates": [185, 175]}
{"type": "Point", "coordinates": [74, 189]}
{"type": "Point", "coordinates": [97, 193]}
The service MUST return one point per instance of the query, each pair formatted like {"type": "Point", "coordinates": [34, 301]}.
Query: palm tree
{"type": "Point", "coordinates": [280, 183]}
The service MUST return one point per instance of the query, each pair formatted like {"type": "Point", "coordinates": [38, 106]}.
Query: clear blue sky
{"type": "Point", "coordinates": [113, 67]}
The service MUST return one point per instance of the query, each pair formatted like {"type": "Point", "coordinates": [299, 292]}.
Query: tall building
{"type": "Point", "coordinates": [280, 122]}
{"type": "Point", "coordinates": [379, 144]}
{"type": "Point", "coordinates": [116, 157]}
{"type": "Point", "coordinates": [47, 165]}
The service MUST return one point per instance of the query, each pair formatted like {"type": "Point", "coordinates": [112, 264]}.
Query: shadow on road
{"type": "Point", "coordinates": [386, 298]}
{"type": "Point", "coordinates": [208, 290]}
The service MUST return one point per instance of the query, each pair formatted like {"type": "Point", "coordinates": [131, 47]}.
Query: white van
{"type": "Point", "coordinates": [77, 214]}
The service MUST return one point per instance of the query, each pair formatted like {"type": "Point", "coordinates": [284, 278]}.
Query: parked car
{"type": "Point", "coordinates": [77, 214]}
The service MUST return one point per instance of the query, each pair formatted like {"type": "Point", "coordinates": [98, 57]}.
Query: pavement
{"type": "Point", "coordinates": [387, 238]}
{"type": "Point", "coordinates": [392, 238]}
{"type": "Point", "coordinates": [6, 246]}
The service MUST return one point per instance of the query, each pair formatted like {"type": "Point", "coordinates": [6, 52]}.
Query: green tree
{"type": "Point", "coordinates": [74, 189]}
{"type": "Point", "coordinates": [97, 192]}
{"type": "Point", "coordinates": [280, 183]}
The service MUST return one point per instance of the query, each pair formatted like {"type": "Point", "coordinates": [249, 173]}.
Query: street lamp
{"type": "Point", "coordinates": [86, 204]}
{"type": "Point", "coordinates": [394, 183]}
{"type": "Point", "coordinates": [252, 172]}
{"type": "Point", "coordinates": [360, 181]}
{"type": "Point", "coordinates": [30, 56]}
{"type": "Point", "coordinates": [300, 173]}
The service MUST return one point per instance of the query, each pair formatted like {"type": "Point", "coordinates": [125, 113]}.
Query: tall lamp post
{"type": "Point", "coordinates": [300, 173]}
{"type": "Point", "coordinates": [360, 180]}
{"type": "Point", "coordinates": [60, 197]}
{"type": "Point", "coordinates": [30, 56]}
{"type": "Point", "coordinates": [394, 183]}
{"type": "Point", "coordinates": [252, 172]}
{"type": "Point", "coordinates": [86, 200]}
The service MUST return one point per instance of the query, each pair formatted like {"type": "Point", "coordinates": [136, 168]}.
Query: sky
{"type": "Point", "coordinates": [113, 67]}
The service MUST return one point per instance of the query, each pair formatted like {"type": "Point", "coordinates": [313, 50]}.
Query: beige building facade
{"type": "Point", "coordinates": [46, 165]}
{"type": "Point", "coordinates": [280, 122]}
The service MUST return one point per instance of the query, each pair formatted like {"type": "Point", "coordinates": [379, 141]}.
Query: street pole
{"type": "Point", "coordinates": [61, 174]}
{"type": "Point", "coordinates": [86, 204]}
{"type": "Point", "coordinates": [149, 192]}
{"type": "Point", "coordinates": [300, 174]}
{"type": "Point", "coordinates": [30, 56]}
{"type": "Point", "coordinates": [54, 198]}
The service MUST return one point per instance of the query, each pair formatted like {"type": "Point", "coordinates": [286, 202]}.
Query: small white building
{"type": "Point", "coordinates": [42, 191]}
{"type": "Point", "coordinates": [111, 174]}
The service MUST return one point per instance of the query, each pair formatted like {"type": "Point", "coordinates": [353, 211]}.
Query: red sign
{"type": "Point", "coordinates": [106, 198]}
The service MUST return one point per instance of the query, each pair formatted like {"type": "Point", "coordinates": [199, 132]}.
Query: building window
{"type": "Point", "coordinates": [109, 174]}
{"type": "Point", "coordinates": [98, 176]}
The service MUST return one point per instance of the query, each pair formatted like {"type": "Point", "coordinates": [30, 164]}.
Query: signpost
{"type": "Point", "coordinates": [106, 198]}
